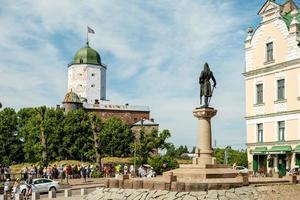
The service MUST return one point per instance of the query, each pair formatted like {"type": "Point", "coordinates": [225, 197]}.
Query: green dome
{"type": "Point", "coordinates": [86, 55]}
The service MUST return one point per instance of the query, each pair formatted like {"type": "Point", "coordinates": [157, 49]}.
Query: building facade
{"type": "Point", "coordinates": [87, 89]}
{"type": "Point", "coordinates": [272, 75]}
{"type": "Point", "coordinates": [87, 75]}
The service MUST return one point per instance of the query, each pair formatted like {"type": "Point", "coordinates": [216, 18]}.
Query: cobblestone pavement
{"type": "Point", "coordinates": [269, 192]}
{"type": "Point", "coordinates": [130, 194]}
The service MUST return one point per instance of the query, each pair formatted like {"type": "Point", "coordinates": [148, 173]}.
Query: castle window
{"type": "Point", "coordinates": [93, 74]}
{"type": "Point", "coordinates": [93, 85]}
{"type": "Point", "coordinates": [269, 47]}
{"type": "Point", "coordinates": [259, 93]}
{"type": "Point", "coordinates": [281, 128]}
{"type": "Point", "coordinates": [280, 89]}
{"type": "Point", "coordinates": [260, 133]}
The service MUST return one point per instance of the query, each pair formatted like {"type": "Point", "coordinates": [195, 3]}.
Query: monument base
{"type": "Point", "coordinates": [200, 173]}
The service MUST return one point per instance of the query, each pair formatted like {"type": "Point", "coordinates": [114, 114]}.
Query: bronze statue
{"type": "Point", "coordinates": [205, 85]}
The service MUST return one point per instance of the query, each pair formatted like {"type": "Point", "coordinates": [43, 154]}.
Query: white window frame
{"type": "Point", "coordinates": [279, 137]}
{"type": "Point", "coordinates": [259, 137]}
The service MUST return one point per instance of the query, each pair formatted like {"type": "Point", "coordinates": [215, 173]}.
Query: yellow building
{"type": "Point", "coordinates": [272, 77]}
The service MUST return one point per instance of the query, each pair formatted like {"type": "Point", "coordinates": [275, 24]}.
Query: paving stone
{"type": "Point", "coordinates": [160, 193]}
{"type": "Point", "coordinates": [223, 198]}
{"type": "Point", "coordinates": [171, 195]}
{"type": "Point", "coordinates": [196, 194]}
{"type": "Point", "coordinates": [134, 195]}
{"type": "Point", "coordinates": [244, 197]}
{"type": "Point", "coordinates": [117, 196]}
{"type": "Point", "coordinates": [230, 190]}
{"type": "Point", "coordinates": [189, 197]}
{"type": "Point", "coordinates": [151, 194]}
{"type": "Point", "coordinates": [221, 192]}
{"type": "Point", "coordinates": [201, 197]}
{"type": "Point", "coordinates": [212, 194]}
{"type": "Point", "coordinates": [242, 190]}
{"type": "Point", "coordinates": [181, 194]}
{"type": "Point", "coordinates": [231, 195]}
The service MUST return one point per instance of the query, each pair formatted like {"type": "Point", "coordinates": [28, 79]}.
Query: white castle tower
{"type": "Point", "coordinates": [87, 75]}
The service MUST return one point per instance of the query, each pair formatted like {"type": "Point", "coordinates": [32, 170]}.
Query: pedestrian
{"type": "Point", "coordinates": [16, 188]}
{"type": "Point", "coordinates": [28, 187]}
{"type": "Point", "coordinates": [132, 171]}
{"type": "Point", "coordinates": [91, 170]}
{"type": "Point", "coordinates": [125, 169]}
{"type": "Point", "coordinates": [6, 186]}
{"type": "Point", "coordinates": [83, 173]}
{"type": "Point", "coordinates": [118, 168]}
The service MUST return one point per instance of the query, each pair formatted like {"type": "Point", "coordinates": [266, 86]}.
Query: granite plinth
{"type": "Point", "coordinates": [199, 173]}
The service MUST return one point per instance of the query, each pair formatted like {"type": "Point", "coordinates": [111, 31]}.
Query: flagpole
{"type": "Point", "coordinates": [87, 36]}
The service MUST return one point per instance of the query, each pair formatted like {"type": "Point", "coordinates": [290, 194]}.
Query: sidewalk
{"type": "Point", "coordinates": [79, 182]}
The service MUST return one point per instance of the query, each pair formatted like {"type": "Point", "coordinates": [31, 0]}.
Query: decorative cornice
{"type": "Point", "coordinates": [260, 144]}
{"type": "Point", "coordinates": [204, 112]}
{"type": "Point", "coordinates": [272, 68]}
{"type": "Point", "coordinates": [273, 114]}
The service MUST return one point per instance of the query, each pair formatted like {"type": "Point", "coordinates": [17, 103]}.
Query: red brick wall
{"type": "Point", "coordinates": [127, 116]}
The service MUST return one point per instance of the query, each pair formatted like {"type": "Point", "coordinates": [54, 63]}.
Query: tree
{"type": "Point", "coordinates": [161, 164]}
{"type": "Point", "coordinates": [77, 142]}
{"type": "Point", "coordinates": [10, 145]}
{"type": "Point", "coordinates": [174, 152]}
{"type": "Point", "coordinates": [234, 156]}
{"type": "Point", "coordinates": [149, 143]}
{"type": "Point", "coordinates": [96, 126]}
{"type": "Point", "coordinates": [116, 137]}
{"type": "Point", "coordinates": [39, 128]}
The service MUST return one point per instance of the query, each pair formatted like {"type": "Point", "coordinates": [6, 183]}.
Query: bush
{"type": "Point", "coordinates": [97, 174]}
{"type": "Point", "coordinates": [161, 164]}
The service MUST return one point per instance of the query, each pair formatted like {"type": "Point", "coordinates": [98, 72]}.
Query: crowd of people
{"type": "Point", "coordinates": [66, 172]}
{"type": "Point", "coordinates": [59, 172]}
{"type": "Point", "coordinates": [124, 169]}
{"type": "Point", "coordinates": [4, 172]}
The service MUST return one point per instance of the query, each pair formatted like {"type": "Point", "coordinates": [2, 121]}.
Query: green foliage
{"type": "Point", "coordinates": [40, 129]}
{"type": "Point", "coordinates": [176, 152]}
{"type": "Point", "coordinates": [44, 135]}
{"type": "Point", "coordinates": [148, 144]}
{"type": "Point", "coordinates": [234, 156]}
{"type": "Point", "coordinates": [10, 145]}
{"type": "Point", "coordinates": [161, 164]}
{"type": "Point", "coordinates": [116, 138]}
{"type": "Point", "coordinates": [77, 139]}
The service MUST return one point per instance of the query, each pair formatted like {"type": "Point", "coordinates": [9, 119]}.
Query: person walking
{"type": "Point", "coordinates": [83, 172]}
{"type": "Point", "coordinates": [6, 186]}
{"type": "Point", "coordinates": [28, 187]}
{"type": "Point", "coordinates": [16, 188]}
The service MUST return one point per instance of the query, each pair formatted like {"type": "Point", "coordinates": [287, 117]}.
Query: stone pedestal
{"type": "Point", "coordinates": [204, 167]}
{"type": "Point", "coordinates": [204, 149]}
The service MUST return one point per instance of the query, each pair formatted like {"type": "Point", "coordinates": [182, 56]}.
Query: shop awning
{"type": "Point", "coordinates": [297, 149]}
{"type": "Point", "coordinates": [280, 149]}
{"type": "Point", "coordinates": [259, 150]}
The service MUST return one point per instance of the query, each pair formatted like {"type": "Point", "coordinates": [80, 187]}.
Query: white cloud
{"type": "Point", "coordinates": [154, 52]}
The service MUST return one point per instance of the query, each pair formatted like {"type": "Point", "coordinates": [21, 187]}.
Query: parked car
{"type": "Point", "coordinates": [41, 185]}
{"type": "Point", "coordinates": [242, 169]}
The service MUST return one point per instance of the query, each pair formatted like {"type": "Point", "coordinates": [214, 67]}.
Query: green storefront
{"type": "Point", "coordinates": [297, 155]}
{"type": "Point", "coordinates": [259, 159]}
{"type": "Point", "coordinates": [282, 153]}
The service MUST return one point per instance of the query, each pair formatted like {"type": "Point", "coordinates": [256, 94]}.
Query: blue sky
{"type": "Point", "coordinates": [154, 51]}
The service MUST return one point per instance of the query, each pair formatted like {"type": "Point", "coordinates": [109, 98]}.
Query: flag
{"type": "Point", "coordinates": [90, 30]}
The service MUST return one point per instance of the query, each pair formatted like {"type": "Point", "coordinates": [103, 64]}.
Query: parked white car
{"type": "Point", "coordinates": [41, 185]}
{"type": "Point", "coordinates": [242, 169]}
